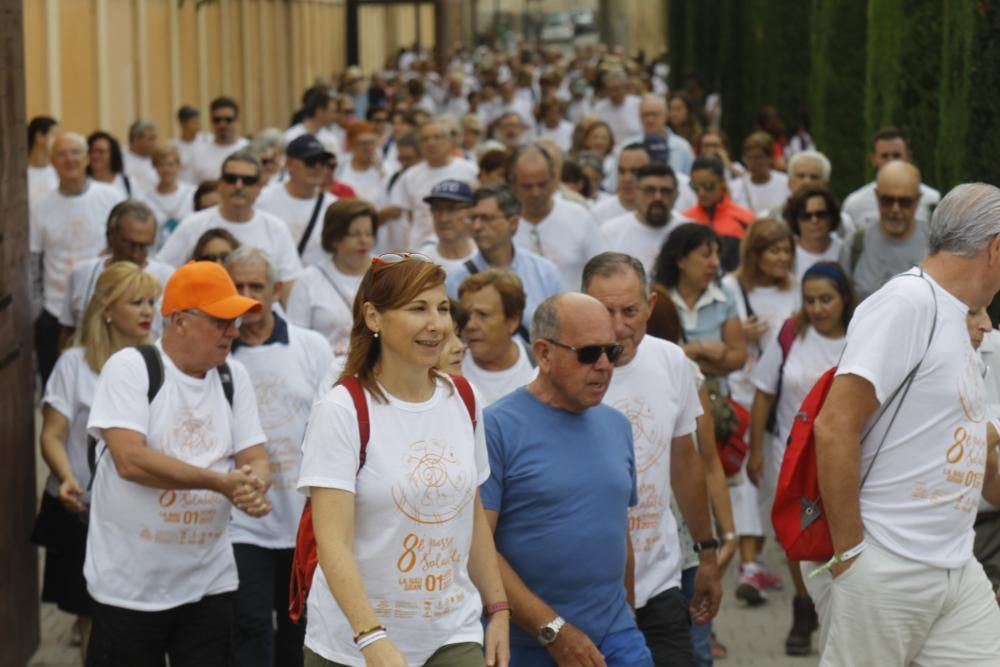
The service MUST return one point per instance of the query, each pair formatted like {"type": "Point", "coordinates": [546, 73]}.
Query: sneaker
{"type": "Point", "coordinates": [770, 580]}
{"type": "Point", "coordinates": [804, 623]}
{"type": "Point", "coordinates": [750, 585]}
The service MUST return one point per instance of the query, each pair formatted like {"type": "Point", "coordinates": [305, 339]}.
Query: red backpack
{"type": "Point", "coordinates": [306, 558]}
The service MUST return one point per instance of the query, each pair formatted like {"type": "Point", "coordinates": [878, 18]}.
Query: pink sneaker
{"type": "Point", "coordinates": [769, 579]}
{"type": "Point", "coordinates": [750, 586]}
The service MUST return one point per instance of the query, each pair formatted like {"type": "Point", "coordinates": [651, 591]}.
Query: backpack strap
{"type": "Point", "coordinates": [304, 241]}
{"type": "Point", "coordinates": [226, 377]}
{"type": "Point", "coordinates": [357, 392]}
{"type": "Point", "coordinates": [786, 337]}
{"type": "Point", "coordinates": [471, 267]}
{"type": "Point", "coordinates": [857, 247]}
{"type": "Point", "coordinates": [468, 396]}
{"type": "Point", "coordinates": [746, 299]}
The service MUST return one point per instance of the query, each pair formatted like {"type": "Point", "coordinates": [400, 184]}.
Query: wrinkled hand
{"type": "Point", "coordinates": [383, 653]}
{"type": "Point", "coordinates": [707, 592]}
{"type": "Point", "coordinates": [572, 648]}
{"type": "Point", "coordinates": [754, 329]}
{"type": "Point", "coordinates": [755, 466]}
{"type": "Point", "coordinates": [71, 495]}
{"type": "Point", "coordinates": [496, 642]}
{"type": "Point", "coordinates": [246, 491]}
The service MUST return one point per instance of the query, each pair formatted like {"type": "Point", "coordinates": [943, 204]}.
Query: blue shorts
{"type": "Point", "coordinates": [625, 648]}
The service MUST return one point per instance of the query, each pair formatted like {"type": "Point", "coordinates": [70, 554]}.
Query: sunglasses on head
{"type": "Point", "coordinates": [387, 259]}
{"type": "Point", "coordinates": [233, 179]}
{"type": "Point", "coordinates": [216, 120]}
{"type": "Point", "coordinates": [887, 201]}
{"type": "Point", "coordinates": [589, 354]}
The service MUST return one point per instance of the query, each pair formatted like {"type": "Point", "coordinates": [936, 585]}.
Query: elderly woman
{"type": "Point", "coordinates": [105, 163]}
{"type": "Point", "coordinates": [813, 215]}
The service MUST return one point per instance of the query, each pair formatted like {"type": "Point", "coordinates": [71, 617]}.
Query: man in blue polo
{"type": "Point", "coordinates": [562, 477]}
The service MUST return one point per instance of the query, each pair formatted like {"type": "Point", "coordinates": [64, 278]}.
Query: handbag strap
{"type": "Point", "coordinates": [312, 223]}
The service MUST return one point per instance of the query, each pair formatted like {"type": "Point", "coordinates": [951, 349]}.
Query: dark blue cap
{"type": "Point", "coordinates": [306, 146]}
{"type": "Point", "coordinates": [452, 190]}
{"type": "Point", "coordinates": [657, 147]}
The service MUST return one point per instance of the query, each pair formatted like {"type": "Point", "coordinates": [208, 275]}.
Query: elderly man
{"type": "Point", "coordinates": [619, 110]}
{"type": "Point", "coordinates": [67, 226]}
{"type": "Point", "coordinates": [565, 556]}
{"type": "Point", "coordinates": [207, 156]}
{"type": "Point", "coordinates": [511, 130]}
{"type": "Point", "coordinates": [180, 424]}
{"type": "Point", "coordinates": [878, 252]}
{"type": "Point", "coordinates": [497, 360]}
{"type": "Point", "coordinates": [131, 231]}
{"type": "Point", "coordinates": [716, 209]}
{"type": "Point", "coordinates": [493, 221]}
{"type": "Point", "coordinates": [452, 246]}
{"type": "Point", "coordinates": [901, 474]}
{"type": "Point", "coordinates": [888, 144]}
{"type": "Point", "coordinates": [239, 187]}
{"type": "Point", "coordinates": [653, 117]}
{"type": "Point", "coordinates": [631, 159]}
{"type": "Point", "coordinates": [138, 155]}
{"type": "Point", "coordinates": [551, 226]}
{"type": "Point", "coordinates": [301, 201]}
{"type": "Point", "coordinates": [663, 420]}
{"type": "Point", "coordinates": [286, 364]}
{"type": "Point", "coordinates": [436, 145]}
{"type": "Point", "coordinates": [642, 232]}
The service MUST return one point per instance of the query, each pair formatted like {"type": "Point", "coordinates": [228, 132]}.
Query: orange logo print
{"type": "Point", "coordinates": [436, 487]}
{"type": "Point", "coordinates": [647, 442]}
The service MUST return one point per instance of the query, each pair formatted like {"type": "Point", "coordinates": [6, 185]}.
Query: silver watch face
{"type": "Point", "coordinates": [547, 634]}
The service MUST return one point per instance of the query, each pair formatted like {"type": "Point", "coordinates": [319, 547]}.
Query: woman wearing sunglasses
{"type": "Point", "coordinates": [407, 562]}
{"type": "Point", "coordinates": [813, 215]}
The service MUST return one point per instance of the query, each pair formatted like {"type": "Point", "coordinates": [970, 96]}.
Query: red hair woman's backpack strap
{"type": "Point", "coordinates": [468, 396]}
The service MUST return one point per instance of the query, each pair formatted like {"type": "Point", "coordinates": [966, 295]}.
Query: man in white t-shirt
{"type": "Point", "coordinates": [207, 156]}
{"type": "Point", "coordinates": [408, 193]}
{"type": "Point", "coordinates": [888, 144]}
{"type": "Point", "coordinates": [189, 121]}
{"type": "Point", "coordinates": [667, 463]}
{"type": "Point", "coordinates": [131, 231]}
{"type": "Point", "coordinates": [643, 232]}
{"type": "Point", "coordinates": [619, 110]}
{"type": "Point", "coordinates": [138, 155]}
{"type": "Point", "coordinates": [179, 443]}
{"type": "Point", "coordinates": [653, 117]}
{"type": "Point", "coordinates": [631, 158]}
{"type": "Point", "coordinates": [320, 111]}
{"type": "Point", "coordinates": [511, 130]}
{"type": "Point", "coordinates": [301, 201]}
{"type": "Point", "coordinates": [451, 246]}
{"type": "Point", "coordinates": [497, 360]}
{"type": "Point", "coordinates": [239, 187]}
{"type": "Point", "coordinates": [903, 542]}
{"type": "Point", "coordinates": [285, 364]}
{"type": "Point", "coordinates": [66, 226]}
{"type": "Point", "coordinates": [551, 226]}
{"type": "Point", "coordinates": [42, 177]}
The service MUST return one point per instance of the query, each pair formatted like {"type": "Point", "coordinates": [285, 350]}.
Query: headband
{"type": "Point", "coordinates": [829, 270]}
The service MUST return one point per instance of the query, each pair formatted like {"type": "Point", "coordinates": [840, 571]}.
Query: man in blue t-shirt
{"type": "Point", "coordinates": [562, 477]}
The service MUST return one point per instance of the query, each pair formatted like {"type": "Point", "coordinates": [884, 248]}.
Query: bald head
{"type": "Point", "coordinates": [897, 190]}
{"type": "Point", "coordinates": [899, 174]}
{"type": "Point", "coordinates": [653, 114]}
{"type": "Point", "coordinates": [69, 157]}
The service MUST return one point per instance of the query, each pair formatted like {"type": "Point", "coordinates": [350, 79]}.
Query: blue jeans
{"type": "Point", "coordinates": [701, 635]}
{"type": "Point", "coordinates": [625, 648]}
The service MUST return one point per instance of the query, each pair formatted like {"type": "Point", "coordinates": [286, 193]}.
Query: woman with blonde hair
{"type": "Point", "coordinates": [119, 314]}
{"type": "Point", "coordinates": [767, 294]}
{"type": "Point", "coordinates": [407, 561]}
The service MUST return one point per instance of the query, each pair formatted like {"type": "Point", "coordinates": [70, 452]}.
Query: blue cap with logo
{"type": "Point", "coordinates": [658, 148]}
{"type": "Point", "coordinates": [306, 146]}
{"type": "Point", "coordinates": [451, 190]}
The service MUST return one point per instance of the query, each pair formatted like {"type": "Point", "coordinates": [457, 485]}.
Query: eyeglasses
{"type": "Point", "coordinates": [822, 216]}
{"type": "Point", "coordinates": [473, 218]}
{"type": "Point", "coordinates": [887, 201]}
{"type": "Point", "coordinates": [217, 120]}
{"type": "Point", "coordinates": [218, 258]}
{"type": "Point", "coordinates": [385, 260]}
{"type": "Point", "coordinates": [590, 354]}
{"type": "Point", "coordinates": [220, 324]}
{"type": "Point", "coordinates": [652, 191]}
{"type": "Point", "coordinates": [233, 179]}
{"type": "Point", "coordinates": [315, 161]}
{"type": "Point", "coordinates": [704, 187]}
{"type": "Point", "coordinates": [267, 161]}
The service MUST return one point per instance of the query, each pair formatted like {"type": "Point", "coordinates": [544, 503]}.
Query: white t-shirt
{"type": "Point", "coordinates": [626, 234]}
{"type": "Point", "coordinates": [152, 549]}
{"type": "Point", "coordinates": [862, 206]}
{"type": "Point", "coordinates": [414, 504]}
{"type": "Point", "coordinates": [416, 183]}
{"type": "Point", "coordinates": [771, 305]}
{"type": "Point", "coordinates": [322, 300]}
{"type": "Point", "coordinates": [83, 280]}
{"type": "Point", "coordinates": [760, 197]}
{"type": "Point", "coordinates": [286, 377]}
{"type": "Point", "coordinates": [568, 237]}
{"type": "Point", "coordinates": [170, 208]}
{"type": "Point", "coordinates": [805, 259]}
{"type": "Point", "coordinates": [70, 392]}
{"type": "Point", "coordinates": [328, 138]}
{"type": "Point", "coordinates": [562, 134]}
{"type": "Point", "coordinates": [659, 409]}
{"type": "Point", "coordinates": [207, 158]}
{"type": "Point", "coordinates": [66, 229]}
{"type": "Point", "coordinates": [494, 385]}
{"type": "Point", "coordinates": [368, 185]}
{"type": "Point", "coordinates": [623, 119]}
{"type": "Point", "coordinates": [186, 151]}
{"type": "Point", "coordinates": [607, 210]}
{"type": "Point", "coordinates": [263, 230]}
{"type": "Point", "coordinates": [41, 181]}
{"type": "Point", "coordinates": [448, 264]}
{"type": "Point", "coordinates": [920, 499]}
{"type": "Point", "coordinates": [140, 172]}
{"type": "Point", "coordinates": [296, 213]}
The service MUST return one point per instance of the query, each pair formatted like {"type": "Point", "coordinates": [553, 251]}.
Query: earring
{"type": "Point", "coordinates": [107, 320]}
{"type": "Point", "coordinates": [376, 334]}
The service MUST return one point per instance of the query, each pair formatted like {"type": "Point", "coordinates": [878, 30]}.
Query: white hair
{"type": "Point", "coordinates": [824, 162]}
{"type": "Point", "coordinates": [75, 137]}
{"type": "Point", "coordinates": [965, 221]}
{"type": "Point", "coordinates": [658, 99]}
{"type": "Point", "coordinates": [246, 254]}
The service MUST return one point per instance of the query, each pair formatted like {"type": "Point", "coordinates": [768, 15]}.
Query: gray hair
{"type": "Point", "coordinates": [658, 99]}
{"type": "Point", "coordinates": [447, 121]}
{"type": "Point", "coordinates": [267, 139]}
{"type": "Point", "coordinates": [137, 128]}
{"type": "Point", "coordinates": [246, 254]}
{"type": "Point", "coordinates": [825, 167]}
{"type": "Point", "coordinates": [965, 221]}
{"type": "Point", "coordinates": [130, 208]}
{"type": "Point", "coordinates": [545, 321]}
{"type": "Point", "coordinates": [242, 155]}
{"type": "Point", "coordinates": [75, 137]}
{"type": "Point", "coordinates": [615, 75]}
{"type": "Point", "coordinates": [609, 264]}
{"type": "Point", "coordinates": [507, 201]}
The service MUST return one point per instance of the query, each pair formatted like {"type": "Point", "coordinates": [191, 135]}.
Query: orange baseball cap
{"type": "Point", "coordinates": [207, 287]}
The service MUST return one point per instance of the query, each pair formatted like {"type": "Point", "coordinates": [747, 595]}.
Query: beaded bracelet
{"type": "Point", "coordinates": [361, 635]}
{"type": "Point", "coordinates": [495, 607]}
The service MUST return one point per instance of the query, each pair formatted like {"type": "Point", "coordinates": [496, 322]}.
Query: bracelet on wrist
{"type": "Point", "coordinates": [370, 639]}
{"type": "Point", "coordinates": [843, 557]}
{"type": "Point", "coordinates": [727, 537]}
{"type": "Point", "coordinates": [495, 607]}
{"type": "Point", "coordinates": [358, 638]}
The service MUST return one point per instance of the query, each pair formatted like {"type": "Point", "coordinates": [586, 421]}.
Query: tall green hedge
{"type": "Point", "coordinates": [931, 67]}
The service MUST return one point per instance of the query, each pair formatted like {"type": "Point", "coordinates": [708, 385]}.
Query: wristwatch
{"type": "Point", "coordinates": [710, 543]}
{"type": "Point", "coordinates": [549, 632]}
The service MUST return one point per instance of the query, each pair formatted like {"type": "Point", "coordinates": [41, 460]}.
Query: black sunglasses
{"type": "Point", "coordinates": [887, 201]}
{"type": "Point", "coordinates": [233, 179]}
{"type": "Point", "coordinates": [218, 258]}
{"type": "Point", "coordinates": [589, 354]}
{"type": "Point", "coordinates": [223, 119]}
{"type": "Point", "coordinates": [316, 161]}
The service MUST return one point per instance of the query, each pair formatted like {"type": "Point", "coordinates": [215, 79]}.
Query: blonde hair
{"type": "Point", "coordinates": [163, 151]}
{"type": "Point", "coordinates": [761, 235]}
{"type": "Point", "coordinates": [115, 282]}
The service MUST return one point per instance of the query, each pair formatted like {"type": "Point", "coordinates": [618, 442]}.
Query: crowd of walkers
{"type": "Point", "coordinates": [509, 351]}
